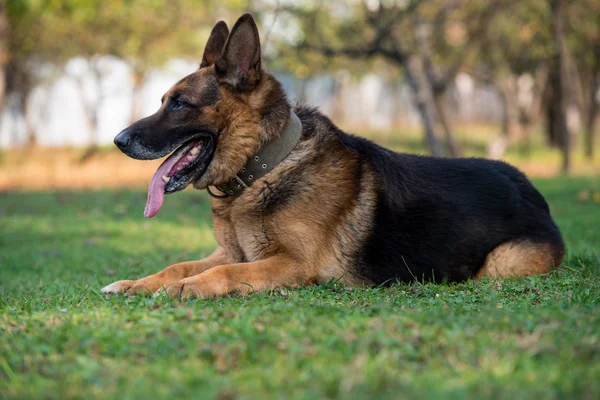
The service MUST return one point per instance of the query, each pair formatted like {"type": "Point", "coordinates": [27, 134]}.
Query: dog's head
{"type": "Point", "coordinates": [213, 120]}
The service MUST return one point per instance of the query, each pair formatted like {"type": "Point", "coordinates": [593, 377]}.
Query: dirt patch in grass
{"type": "Point", "coordinates": [47, 168]}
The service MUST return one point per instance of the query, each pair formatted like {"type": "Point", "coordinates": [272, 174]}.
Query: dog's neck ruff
{"type": "Point", "coordinates": [267, 158]}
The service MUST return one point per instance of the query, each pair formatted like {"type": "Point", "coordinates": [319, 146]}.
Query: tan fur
{"type": "Point", "coordinates": [298, 246]}
{"type": "Point", "coordinates": [173, 273]}
{"type": "Point", "coordinates": [516, 259]}
{"type": "Point", "coordinates": [242, 135]}
{"type": "Point", "coordinates": [270, 273]}
{"type": "Point", "coordinates": [328, 218]}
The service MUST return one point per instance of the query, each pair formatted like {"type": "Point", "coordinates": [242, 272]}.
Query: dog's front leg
{"type": "Point", "coordinates": [173, 273]}
{"type": "Point", "coordinates": [271, 273]}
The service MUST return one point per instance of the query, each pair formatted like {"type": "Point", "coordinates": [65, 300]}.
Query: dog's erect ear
{"type": "Point", "coordinates": [239, 65]}
{"type": "Point", "coordinates": [215, 44]}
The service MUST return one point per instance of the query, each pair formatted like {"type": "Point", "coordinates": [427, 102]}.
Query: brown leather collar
{"type": "Point", "coordinates": [265, 160]}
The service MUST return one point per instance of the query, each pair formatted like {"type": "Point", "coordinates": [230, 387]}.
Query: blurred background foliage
{"type": "Point", "coordinates": [512, 79]}
{"type": "Point", "coordinates": [540, 57]}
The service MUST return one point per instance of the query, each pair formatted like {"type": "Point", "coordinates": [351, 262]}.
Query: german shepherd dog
{"type": "Point", "coordinates": [331, 205]}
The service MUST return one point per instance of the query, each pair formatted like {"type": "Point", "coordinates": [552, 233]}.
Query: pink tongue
{"type": "Point", "coordinates": [156, 190]}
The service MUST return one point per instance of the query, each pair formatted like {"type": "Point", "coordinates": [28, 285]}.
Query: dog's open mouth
{"type": "Point", "coordinates": [181, 168]}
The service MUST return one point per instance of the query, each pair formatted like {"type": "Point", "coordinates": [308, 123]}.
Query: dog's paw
{"type": "Point", "coordinates": [117, 287]}
{"type": "Point", "coordinates": [140, 286]}
{"type": "Point", "coordinates": [179, 290]}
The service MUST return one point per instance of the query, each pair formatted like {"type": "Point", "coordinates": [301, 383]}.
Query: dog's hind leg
{"type": "Point", "coordinates": [173, 273]}
{"type": "Point", "coordinates": [521, 258]}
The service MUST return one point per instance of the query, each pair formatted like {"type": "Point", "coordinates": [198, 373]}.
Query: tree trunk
{"type": "Point", "coordinates": [439, 103]}
{"type": "Point", "coordinates": [136, 95]}
{"type": "Point", "coordinates": [497, 147]}
{"type": "Point", "coordinates": [559, 82]}
{"type": "Point", "coordinates": [510, 128]}
{"type": "Point", "coordinates": [531, 114]}
{"type": "Point", "coordinates": [505, 113]}
{"type": "Point", "coordinates": [302, 91]}
{"type": "Point", "coordinates": [4, 35]}
{"type": "Point", "coordinates": [549, 106]}
{"type": "Point", "coordinates": [423, 108]}
{"type": "Point", "coordinates": [337, 109]}
{"type": "Point", "coordinates": [437, 88]}
{"type": "Point", "coordinates": [92, 109]}
{"type": "Point", "coordinates": [590, 126]}
{"type": "Point", "coordinates": [4, 32]}
{"type": "Point", "coordinates": [525, 131]}
{"type": "Point", "coordinates": [590, 130]}
{"type": "Point", "coordinates": [18, 86]}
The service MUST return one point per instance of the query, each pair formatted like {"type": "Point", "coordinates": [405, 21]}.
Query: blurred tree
{"type": "Point", "coordinates": [144, 33]}
{"type": "Point", "coordinates": [4, 32]}
{"type": "Point", "coordinates": [428, 39]}
{"type": "Point", "coordinates": [519, 44]}
{"type": "Point", "coordinates": [447, 34]}
{"type": "Point", "coordinates": [19, 53]}
{"type": "Point", "coordinates": [283, 29]}
{"type": "Point", "coordinates": [582, 20]}
{"type": "Point", "coordinates": [558, 82]}
{"type": "Point", "coordinates": [530, 42]}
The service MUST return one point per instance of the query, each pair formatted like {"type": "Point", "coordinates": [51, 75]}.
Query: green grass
{"type": "Point", "coordinates": [60, 338]}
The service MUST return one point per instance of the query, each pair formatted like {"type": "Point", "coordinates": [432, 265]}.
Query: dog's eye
{"type": "Point", "coordinates": [177, 105]}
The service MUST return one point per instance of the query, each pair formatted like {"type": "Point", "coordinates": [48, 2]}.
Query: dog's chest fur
{"type": "Point", "coordinates": [316, 205]}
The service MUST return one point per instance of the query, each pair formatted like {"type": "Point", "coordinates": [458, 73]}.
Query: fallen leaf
{"type": "Point", "coordinates": [583, 195]}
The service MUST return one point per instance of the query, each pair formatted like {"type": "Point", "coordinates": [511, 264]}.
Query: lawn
{"type": "Point", "coordinates": [60, 338]}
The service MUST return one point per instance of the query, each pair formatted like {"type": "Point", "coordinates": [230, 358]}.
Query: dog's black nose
{"type": "Point", "coordinates": [122, 140]}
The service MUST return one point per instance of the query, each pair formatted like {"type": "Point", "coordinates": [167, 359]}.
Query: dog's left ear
{"type": "Point", "coordinates": [239, 65]}
{"type": "Point", "coordinates": [215, 44]}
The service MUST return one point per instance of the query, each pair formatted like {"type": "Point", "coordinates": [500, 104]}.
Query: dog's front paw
{"type": "Point", "coordinates": [180, 290]}
{"type": "Point", "coordinates": [141, 286]}
{"type": "Point", "coordinates": [117, 287]}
